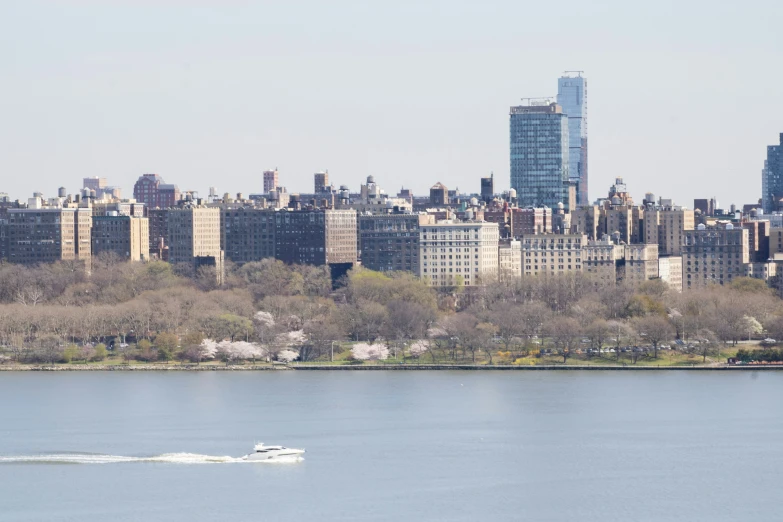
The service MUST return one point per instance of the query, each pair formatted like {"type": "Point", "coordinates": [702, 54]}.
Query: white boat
{"type": "Point", "coordinates": [261, 452]}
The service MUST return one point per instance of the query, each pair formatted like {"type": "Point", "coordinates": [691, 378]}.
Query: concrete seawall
{"type": "Point", "coordinates": [360, 367]}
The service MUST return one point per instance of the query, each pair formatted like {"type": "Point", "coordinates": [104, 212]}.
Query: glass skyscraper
{"type": "Point", "coordinates": [539, 155]}
{"type": "Point", "coordinates": [572, 96]}
{"type": "Point", "coordinates": [772, 177]}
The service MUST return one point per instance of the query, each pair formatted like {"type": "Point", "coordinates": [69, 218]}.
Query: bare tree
{"type": "Point", "coordinates": [655, 329]}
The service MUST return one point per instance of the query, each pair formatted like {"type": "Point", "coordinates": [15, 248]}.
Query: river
{"type": "Point", "coordinates": [451, 446]}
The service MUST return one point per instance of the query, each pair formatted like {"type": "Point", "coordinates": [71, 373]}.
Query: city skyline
{"type": "Point", "coordinates": [228, 91]}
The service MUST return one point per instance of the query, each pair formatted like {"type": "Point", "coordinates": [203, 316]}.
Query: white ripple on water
{"type": "Point", "coordinates": [169, 458]}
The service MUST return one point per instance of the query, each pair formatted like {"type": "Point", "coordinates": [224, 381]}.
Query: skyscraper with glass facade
{"type": "Point", "coordinates": [772, 177]}
{"type": "Point", "coordinates": [539, 155]}
{"type": "Point", "coordinates": [572, 96]}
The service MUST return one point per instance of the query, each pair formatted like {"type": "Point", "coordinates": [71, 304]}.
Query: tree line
{"type": "Point", "coordinates": [269, 310]}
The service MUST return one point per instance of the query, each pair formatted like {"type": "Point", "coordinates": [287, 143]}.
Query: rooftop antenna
{"type": "Point", "coordinates": [574, 72]}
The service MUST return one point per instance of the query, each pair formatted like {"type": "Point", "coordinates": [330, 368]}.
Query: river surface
{"type": "Point", "coordinates": [451, 446]}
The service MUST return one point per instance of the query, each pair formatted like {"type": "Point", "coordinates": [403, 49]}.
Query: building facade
{"type": "Point", "coordinates": [390, 242]}
{"type": "Point", "coordinates": [45, 235]}
{"type": "Point", "coordinates": [455, 253]}
{"type": "Point", "coordinates": [667, 227]}
{"type": "Point", "coordinates": [550, 254]}
{"type": "Point", "coordinates": [772, 178]}
{"type": "Point", "coordinates": [572, 97]}
{"type": "Point", "coordinates": [316, 237]}
{"type": "Point", "coordinates": [640, 264]}
{"type": "Point", "coordinates": [670, 271]}
{"type": "Point", "coordinates": [270, 181]}
{"type": "Point", "coordinates": [248, 233]}
{"type": "Point", "coordinates": [194, 237]}
{"type": "Point", "coordinates": [714, 255]}
{"type": "Point", "coordinates": [539, 147]}
{"type": "Point", "coordinates": [439, 195]}
{"type": "Point", "coordinates": [320, 182]}
{"type": "Point", "coordinates": [151, 190]}
{"type": "Point", "coordinates": [125, 236]}
{"type": "Point", "coordinates": [509, 260]}
{"type": "Point", "coordinates": [600, 259]}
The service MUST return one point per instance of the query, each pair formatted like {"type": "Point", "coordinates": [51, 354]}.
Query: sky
{"type": "Point", "coordinates": [683, 96]}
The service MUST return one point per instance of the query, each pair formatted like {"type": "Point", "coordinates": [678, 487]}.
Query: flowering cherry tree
{"type": "Point", "coordinates": [419, 348]}
{"type": "Point", "coordinates": [287, 356]}
{"type": "Point", "coordinates": [369, 352]}
{"type": "Point", "coordinates": [240, 350]}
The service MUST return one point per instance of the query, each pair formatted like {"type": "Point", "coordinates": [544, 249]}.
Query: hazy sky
{"type": "Point", "coordinates": [683, 97]}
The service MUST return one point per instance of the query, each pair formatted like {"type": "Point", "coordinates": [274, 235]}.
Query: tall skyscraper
{"type": "Point", "coordinates": [270, 181]}
{"type": "Point", "coordinates": [572, 96]}
{"type": "Point", "coordinates": [539, 154]}
{"type": "Point", "coordinates": [772, 177]}
{"type": "Point", "coordinates": [320, 181]}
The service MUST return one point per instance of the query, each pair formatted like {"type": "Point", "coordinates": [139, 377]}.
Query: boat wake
{"type": "Point", "coordinates": [166, 458]}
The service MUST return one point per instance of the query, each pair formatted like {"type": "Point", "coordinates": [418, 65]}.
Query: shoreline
{"type": "Point", "coordinates": [400, 367]}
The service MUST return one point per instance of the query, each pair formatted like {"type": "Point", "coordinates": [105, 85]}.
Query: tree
{"type": "Point", "coordinates": [706, 345]}
{"type": "Point", "coordinates": [70, 353]}
{"type": "Point", "coordinates": [370, 352]}
{"type": "Point", "coordinates": [655, 329]}
{"type": "Point", "coordinates": [287, 356]}
{"type": "Point", "coordinates": [751, 326]}
{"type": "Point", "coordinates": [564, 332]}
{"type": "Point", "coordinates": [509, 324]}
{"type": "Point", "coordinates": [231, 327]}
{"type": "Point", "coordinates": [363, 320]}
{"type": "Point", "coordinates": [100, 352]}
{"type": "Point", "coordinates": [598, 332]}
{"type": "Point", "coordinates": [167, 344]}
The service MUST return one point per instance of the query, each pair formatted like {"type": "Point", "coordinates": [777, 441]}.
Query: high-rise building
{"type": "Point", "coordinates": [640, 264]}
{"type": "Point", "coordinates": [572, 96]}
{"type": "Point", "coordinates": [151, 190]}
{"type": "Point", "coordinates": [772, 178]}
{"type": "Point", "coordinates": [270, 181]}
{"type": "Point", "coordinates": [125, 236]}
{"type": "Point", "coordinates": [667, 226]}
{"type": "Point", "coordinates": [390, 242]}
{"type": "Point", "coordinates": [539, 155]}
{"type": "Point", "coordinates": [439, 195]}
{"type": "Point", "coordinates": [316, 237]}
{"type": "Point", "coordinates": [248, 233]}
{"type": "Point", "coordinates": [549, 254]}
{"type": "Point", "coordinates": [40, 234]}
{"type": "Point", "coordinates": [320, 182]}
{"type": "Point", "coordinates": [454, 253]}
{"type": "Point", "coordinates": [194, 237]}
{"type": "Point", "coordinates": [488, 188]}
{"type": "Point", "coordinates": [714, 255]}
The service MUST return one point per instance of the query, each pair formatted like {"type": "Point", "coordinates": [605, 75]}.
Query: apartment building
{"type": "Point", "coordinates": [390, 242]}
{"type": "Point", "coordinates": [550, 254]}
{"type": "Point", "coordinates": [248, 233]}
{"type": "Point", "coordinates": [194, 237]}
{"type": "Point", "coordinates": [45, 234]}
{"type": "Point", "coordinates": [640, 264]}
{"type": "Point", "coordinates": [454, 253]}
{"type": "Point", "coordinates": [714, 255]}
{"type": "Point", "coordinates": [667, 226]}
{"type": "Point", "coordinates": [316, 237]}
{"type": "Point", "coordinates": [154, 192]}
{"type": "Point", "coordinates": [670, 271]}
{"type": "Point", "coordinates": [600, 259]}
{"type": "Point", "coordinates": [125, 236]}
{"type": "Point", "coordinates": [509, 260]}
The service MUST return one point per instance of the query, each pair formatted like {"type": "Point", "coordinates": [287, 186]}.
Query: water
{"type": "Point", "coordinates": [451, 446]}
